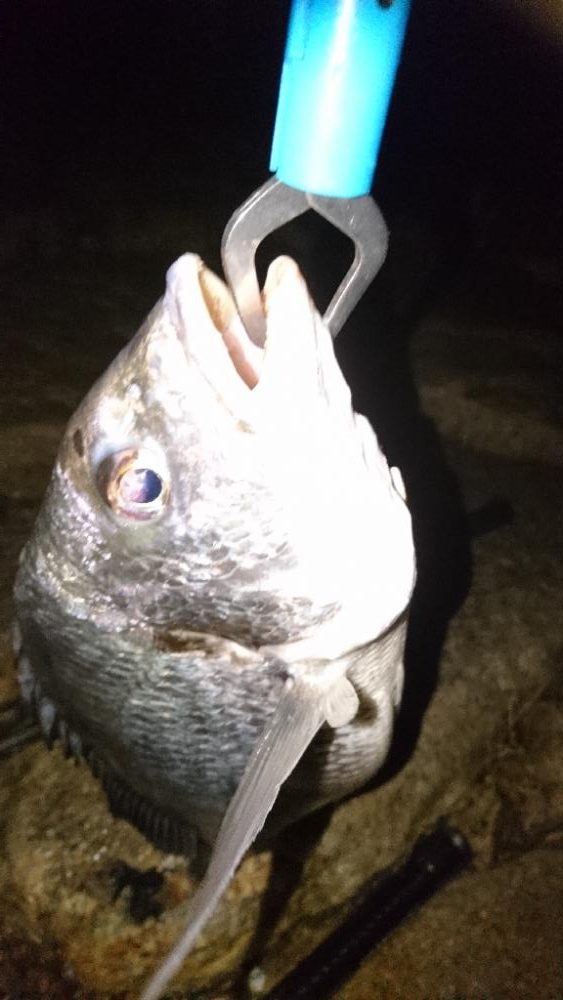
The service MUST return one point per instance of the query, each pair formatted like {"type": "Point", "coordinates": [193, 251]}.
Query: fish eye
{"type": "Point", "coordinates": [134, 484]}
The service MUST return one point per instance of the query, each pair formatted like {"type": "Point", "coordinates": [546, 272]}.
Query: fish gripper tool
{"type": "Point", "coordinates": [339, 68]}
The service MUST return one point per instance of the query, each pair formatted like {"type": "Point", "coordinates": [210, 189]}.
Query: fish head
{"type": "Point", "coordinates": [206, 483]}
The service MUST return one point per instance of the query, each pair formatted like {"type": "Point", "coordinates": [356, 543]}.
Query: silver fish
{"type": "Point", "coordinates": [213, 600]}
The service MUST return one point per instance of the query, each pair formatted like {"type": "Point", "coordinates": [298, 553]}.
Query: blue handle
{"type": "Point", "coordinates": [340, 62]}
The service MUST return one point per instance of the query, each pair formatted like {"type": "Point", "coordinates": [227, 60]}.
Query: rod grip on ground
{"type": "Point", "coordinates": [436, 858]}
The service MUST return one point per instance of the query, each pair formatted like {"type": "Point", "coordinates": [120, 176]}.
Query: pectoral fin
{"type": "Point", "coordinates": [299, 715]}
{"type": "Point", "coordinates": [342, 703]}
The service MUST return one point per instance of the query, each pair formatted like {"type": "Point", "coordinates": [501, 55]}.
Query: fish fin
{"type": "Point", "coordinates": [301, 711]}
{"type": "Point", "coordinates": [342, 703]}
{"type": "Point", "coordinates": [165, 830]}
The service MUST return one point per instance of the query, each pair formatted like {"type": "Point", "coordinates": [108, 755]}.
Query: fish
{"type": "Point", "coordinates": [211, 609]}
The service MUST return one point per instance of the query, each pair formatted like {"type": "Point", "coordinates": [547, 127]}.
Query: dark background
{"type": "Point", "coordinates": [149, 95]}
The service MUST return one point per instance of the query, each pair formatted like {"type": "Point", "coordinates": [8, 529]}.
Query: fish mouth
{"type": "Point", "coordinates": [205, 317]}
{"type": "Point", "coordinates": [246, 356]}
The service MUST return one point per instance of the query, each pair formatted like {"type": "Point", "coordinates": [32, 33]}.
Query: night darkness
{"type": "Point", "coordinates": [118, 108]}
{"type": "Point", "coordinates": [148, 94]}
{"type": "Point", "coordinates": [129, 133]}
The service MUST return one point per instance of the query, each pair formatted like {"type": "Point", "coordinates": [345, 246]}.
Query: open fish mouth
{"type": "Point", "coordinates": [201, 305]}
{"type": "Point", "coordinates": [246, 357]}
{"type": "Point", "coordinates": [295, 366]}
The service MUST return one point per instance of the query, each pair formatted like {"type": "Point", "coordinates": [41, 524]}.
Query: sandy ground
{"type": "Point", "coordinates": [477, 425]}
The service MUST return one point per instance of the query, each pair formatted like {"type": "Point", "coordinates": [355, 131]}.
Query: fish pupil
{"type": "Point", "coordinates": [140, 486]}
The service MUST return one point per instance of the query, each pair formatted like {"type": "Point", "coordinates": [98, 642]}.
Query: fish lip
{"type": "Point", "coordinates": [206, 320]}
{"type": "Point", "coordinates": [205, 317]}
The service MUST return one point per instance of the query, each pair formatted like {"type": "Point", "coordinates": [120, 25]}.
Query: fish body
{"type": "Point", "coordinates": [218, 521]}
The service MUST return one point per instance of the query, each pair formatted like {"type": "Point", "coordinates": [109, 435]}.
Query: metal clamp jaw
{"type": "Point", "coordinates": [270, 207]}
